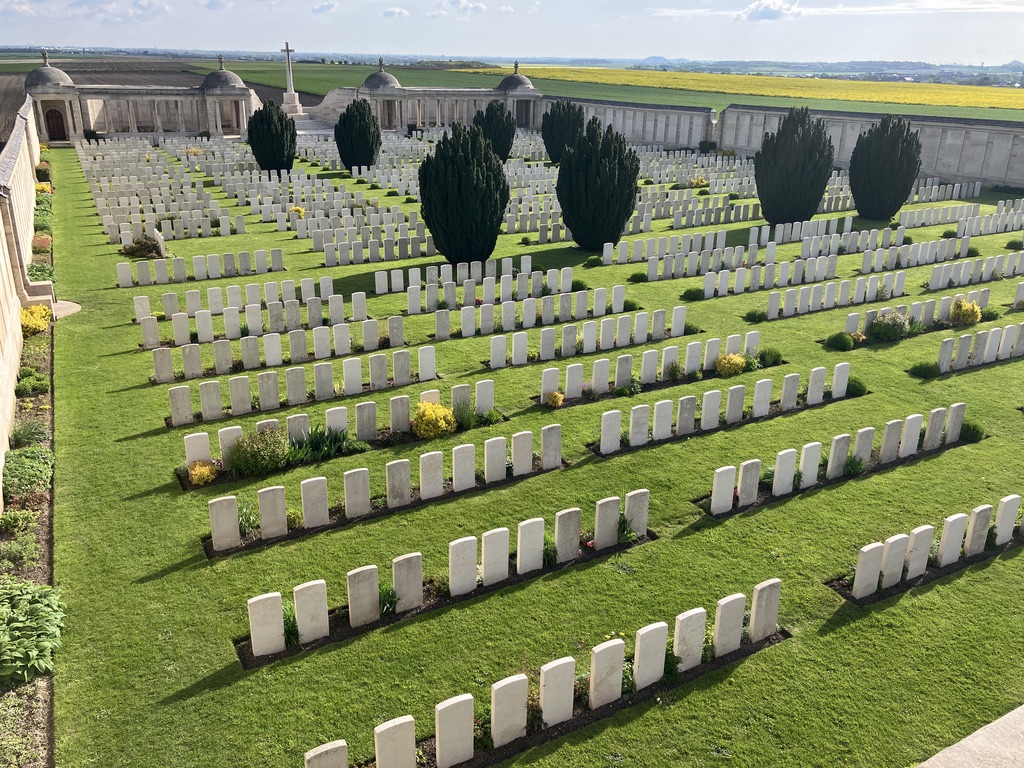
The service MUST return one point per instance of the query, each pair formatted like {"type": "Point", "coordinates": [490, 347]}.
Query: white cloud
{"type": "Point", "coordinates": [15, 8]}
{"type": "Point", "coordinates": [326, 7]}
{"type": "Point", "coordinates": [768, 10]}
{"type": "Point", "coordinates": [396, 12]}
{"type": "Point", "coordinates": [218, 5]}
{"type": "Point", "coordinates": [507, 9]}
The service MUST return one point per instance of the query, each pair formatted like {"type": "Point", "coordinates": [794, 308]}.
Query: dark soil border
{"type": "Point", "coordinates": [645, 388]}
{"type": "Point", "coordinates": [583, 717]}
{"type": "Point", "coordinates": [843, 586]}
{"type": "Point", "coordinates": [338, 519]}
{"type": "Point", "coordinates": [764, 490]}
{"type": "Point", "coordinates": [774, 411]}
{"type": "Point", "coordinates": [340, 629]}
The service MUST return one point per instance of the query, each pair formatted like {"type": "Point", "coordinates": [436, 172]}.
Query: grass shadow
{"type": "Point", "coordinates": [228, 674]}
{"type": "Point", "coordinates": [195, 560]}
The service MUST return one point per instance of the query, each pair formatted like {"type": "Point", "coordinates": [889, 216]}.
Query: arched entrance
{"type": "Point", "coordinates": [55, 125]}
{"type": "Point", "coordinates": [524, 113]}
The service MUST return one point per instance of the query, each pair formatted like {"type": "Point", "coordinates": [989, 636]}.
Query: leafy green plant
{"type": "Point", "coordinates": [272, 138]}
{"type": "Point", "coordinates": [692, 294]}
{"type": "Point", "coordinates": [638, 277]}
{"type": "Point", "coordinates": [792, 168]}
{"type": "Point", "coordinates": [756, 316]}
{"type": "Point", "coordinates": [856, 387]}
{"type": "Point", "coordinates": [291, 624]}
{"type": "Point", "coordinates": [260, 453]}
{"type": "Point", "coordinates": [293, 517]}
{"type": "Point", "coordinates": [594, 261]}
{"type": "Point", "coordinates": [1015, 245]}
{"type": "Point", "coordinates": [925, 370]}
{"type": "Point", "coordinates": [26, 432]}
{"type": "Point", "coordinates": [498, 126]}
{"type": "Point", "coordinates": [853, 466]}
{"type": "Point", "coordinates": [626, 533]}
{"type": "Point", "coordinates": [989, 314]}
{"type": "Point", "coordinates": [465, 416]}
{"type": "Point", "coordinates": [31, 619]}
{"type": "Point", "coordinates": [14, 521]}
{"type": "Point", "coordinates": [674, 372]}
{"type": "Point", "coordinates": [550, 552]}
{"type": "Point", "coordinates": [891, 327]}
{"type": "Point", "coordinates": [884, 164]}
{"type": "Point", "coordinates": [388, 599]}
{"type": "Point", "coordinates": [248, 520]}
{"type": "Point", "coordinates": [27, 470]}
{"type": "Point", "coordinates": [560, 128]}
{"type": "Point", "coordinates": [972, 432]}
{"type": "Point", "coordinates": [841, 342]}
{"type": "Point", "coordinates": [949, 234]}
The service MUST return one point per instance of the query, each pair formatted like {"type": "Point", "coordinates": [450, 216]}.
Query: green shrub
{"type": "Point", "coordinates": [630, 305]}
{"type": "Point", "coordinates": [854, 466]}
{"type": "Point", "coordinates": [32, 385]}
{"type": "Point", "coordinates": [949, 234]}
{"type": "Point", "coordinates": [756, 316]}
{"type": "Point", "coordinates": [560, 127]}
{"type": "Point", "coordinates": [320, 445]}
{"type": "Point", "coordinates": [465, 416]}
{"type": "Point", "coordinates": [769, 356]}
{"type": "Point", "coordinates": [891, 327]}
{"type": "Point", "coordinates": [856, 387]}
{"type": "Point", "coordinates": [392, 193]}
{"type": "Point", "coordinates": [689, 329]}
{"type": "Point", "coordinates": [498, 126]}
{"type": "Point", "coordinates": [38, 271]}
{"type": "Point", "coordinates": [291, 624]}
{"type": "Point", "coordinates": [703, 192]}
{"type": "Point", "coordinates": [248, 520]}
{"type": "Point", "coordinates": [792, 168]}
{"type": "Point", "coordinates": [1015, 245]}
{"type": "Point", "coordinates": [908, 240]}
{"type": "Point", "coordinates": [638, 277]}
{"type": "Point", "coordinates": [925, 370]}
{"type": "Point", "coordinates": [27, 432]}
{"type": "Point", "coordinates": [15, 521]}
{"type": "Point", "coordinates": [375, 185]}
{"type": "Point", "coordinates": [989, 314]}
{"type": "Point", "coordinates": [674, 372]}
{"type": "Point", "coordinates": [143, 248]}
{"type": "Point", "coordinates": [579, 285]}
{"type": "Point", "coordinates": [433, 420]}
{"type": "Point", "coordinates": [31, 618]}
{"type": "Point", "coordinates": [357, 135]}
{"type": "Point", "coordinates": [884, 164]}
{"type": "Point", "coordinates": [593, 261]}
{"type": "Point", "coordinates": [973, 253]}
{"type": "Point", "coordinates": [730, 364]}
{"type": "Point", "coordinates": [972, 432]}
{"type": "Point", "coordinates": [388, 599]}
{"type": "Point", "coordinates": [260, 453]}
{"type": "Point", "coordinates": [841, 342]}
{"type": "Point", "coordinates": [692, 294]}
{"type": "Point", "coordinates": [27, 470]}
{"type": "Point", "coordinates": [272, 138]}
{"type": "Point", "coordinates": [964, 313]}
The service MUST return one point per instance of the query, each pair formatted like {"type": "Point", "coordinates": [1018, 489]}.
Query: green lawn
{"type": "Point", "coordinates": [321, 78]}
{"type": "Point", "coordinates": [148, 675]}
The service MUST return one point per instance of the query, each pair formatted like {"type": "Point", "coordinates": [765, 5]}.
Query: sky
{"type": "Point", "coordinates": [937, 31]}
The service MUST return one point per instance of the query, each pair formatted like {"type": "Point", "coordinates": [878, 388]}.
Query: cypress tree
{"type": "Point", "coordinates": [560, 127]}
{"type": "Point", "coordinates": [464, 192]}
{"type": "Point", "coordinates": [792, 168]}
{"type": "Point", "coordinates": [499, 128]}
{"type": "Point", "coordinates": [884, 164]}
{"type": "Point", "coordinates": [357, 135]}
{"type": "Point", "coordinates": [597, 186]}
{"type": "Point", "coordinates": [272, 138]}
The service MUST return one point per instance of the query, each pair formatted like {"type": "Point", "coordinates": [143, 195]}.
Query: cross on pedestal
{"type": "Point", "coordinates": [287, 51]}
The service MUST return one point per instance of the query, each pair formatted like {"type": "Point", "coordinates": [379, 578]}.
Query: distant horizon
{"type": "Point", "coordinates": [926, 31]}
{"type": "Point", "coordinates": [401, 59]}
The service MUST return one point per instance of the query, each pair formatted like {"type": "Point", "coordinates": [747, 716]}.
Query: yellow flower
{"type": "Point", "coordinates": [35, 319]}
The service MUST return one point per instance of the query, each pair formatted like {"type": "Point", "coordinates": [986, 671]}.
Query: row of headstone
{"type": "Point", "coordinates": [327, 343]}
{"type": "Point", "coordinates": [725, 212]}
{"type": "Point", "coordinates": [694, 263]}
{"type": "Point", "coordinates": [232, 296]}
{"type": "Point", "coordinates": [825, 296]}
{"type": "Point", "coordinates": [477, 271]}
{"type": "Point", "coordinates": [529, 313]}
{"type": "Point", "coordinates": [266, 630]}
{"type": "Point", "coordinates": [615, 332]}
{"type": "Point", "coordinates": [914, 254]}
{"type": "Point", "coordinates": [454, 718]}
{"type": "Point", "coordinates": [981, 348]}
{"type": "Point", "coordinates": [930, 217]}
{"type": "Point", "coordinates": [644, 248]}
{"type": "Point", "coordinates": [905, 558]}
{"type": "Point", "coordinates": [930, 191]}
{"type": "Point", "coordinates": [341, 254]}
{"type": "Point", "coordinates": [992, 224]}
{"type": "Point", "coordinates": [400, 491]}
{"type": "Point", "coordinates": [785, 273]}
{"type": "Point", "coordinates": [173, 270]}
{"type": "Point", "coordinates": [278, 318]}
{"type": "Point", "coordinates": [927, 313]}
{"type": "Point", "coordinates": [641, 430]}
{"type": "Point", "coordinates": [901, 439]}
{"type": "Point", "coordinates": [974, 271]}
{"type": "Point", "coordinates": [241, 403]}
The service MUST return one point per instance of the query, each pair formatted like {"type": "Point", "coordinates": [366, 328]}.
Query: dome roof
{"type": "Point", "coordinates": [515, 81]}
{"type": "Point", "coordinates": [221, 79]}
{"type": "Point", "coordinates": [381, 79]}
{"type": "Point", "coordinates": [46, 77]}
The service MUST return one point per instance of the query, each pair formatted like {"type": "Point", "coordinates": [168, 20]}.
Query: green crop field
{"type": "Point", "coordinates": [148, 675]}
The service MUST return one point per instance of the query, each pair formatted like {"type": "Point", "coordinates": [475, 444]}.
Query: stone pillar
{"type": "Point", "coordinates": [40, 121]}
{"type": "Point", "coordinates": [179, 109]}
{"type": "Point", "coordinates": [157, 122]}
{"type": "Point", "coordinates": [133, 126]}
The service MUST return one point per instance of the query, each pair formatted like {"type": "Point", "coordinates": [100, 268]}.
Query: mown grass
{"type": "Point", "coordinates": [595, 84]}
{"type": "Point", "coordinates": [148, 674]}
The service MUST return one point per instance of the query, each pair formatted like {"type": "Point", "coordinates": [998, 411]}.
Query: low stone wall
{"type": "Point", "coordinates": [954, 149]}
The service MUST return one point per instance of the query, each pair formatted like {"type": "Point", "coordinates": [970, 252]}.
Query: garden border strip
{"type": "Point", "coordinates": [842, 586]}
{"type": "Point", "coordinates": [582, 717]}
{"type": "Point", "coordinates": [340, 630]}
{"type": "Point", "coordinates": [338, 520]}
{"type": "Point", "coordinates": [765, 499]}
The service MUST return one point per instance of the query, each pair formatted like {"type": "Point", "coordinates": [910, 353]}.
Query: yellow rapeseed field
{"type": "Point", "coordinates": [788, 87]}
